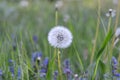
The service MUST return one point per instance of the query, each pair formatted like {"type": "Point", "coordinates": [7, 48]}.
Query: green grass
{"type": "Point", "coordinates": [19, 24]}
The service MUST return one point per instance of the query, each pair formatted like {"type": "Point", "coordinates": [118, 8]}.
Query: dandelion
{"type": "Point", "coordinates": [111, 13]}
{"type": "Point", "coordinates": [24, 3]}
{"type": "Point", "coordinates": [58, 4]}
{"type": "Point", "coordinates": [60, 37]}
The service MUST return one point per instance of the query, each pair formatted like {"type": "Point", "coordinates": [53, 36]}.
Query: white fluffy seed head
{"type": "Point", "coordinates": [117, 33]}
{"type": "Point", "coordinates": [24, 3]}
{"type": "Point", "coordinates": [58, 4]}
{"type": "Point", "coordinates": [60, 37]}
{"type": "Point", "coordinates": [111, 13]}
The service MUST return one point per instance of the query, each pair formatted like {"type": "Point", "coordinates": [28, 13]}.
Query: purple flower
{"type": "Point", "coordinates": [114, 61]}
{"type": "Point", "coordinates": [115, 67]}
{"type": "Point", "coordinates": [44, 67]}
{"type": "Point", "coordinates": [1, 72]}
{"type": "Point", "coordinates": [19, 73]}
{"type": "Point", "coordinates": [35, 39]}
{"type": "Point", "coordinates": [117, 74]}
{"type": "Point", "coordinates": [45, 62]}
{"type": "Point", "coordinates": [67, 70]}
{"type": "Point", "coordinates": [36, 56]}
{"type": "Point", "coordinates": [11, 61]}
{"type": "Point", "coordinates": [11, 67]}
{"type": "Point", "coordinates": [55, 75]}
{"type": "Point", "coordinates": [43, 72]}
{"type": "Point", "coordinates": [67, 63]}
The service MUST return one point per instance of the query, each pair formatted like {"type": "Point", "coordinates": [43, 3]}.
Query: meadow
{"type": "Point", "coordinates": [28, 52]}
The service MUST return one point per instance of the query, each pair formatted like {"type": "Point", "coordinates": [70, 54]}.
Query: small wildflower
{"type": "Point", "coordinates": [55, 75]}
{"type": "Point", "coordinates": [58, 4]}
{"type": "Point", "coordinates": [36, 56]}
{"type": "Point", "coordinates": [114, 61]}
{"type": "Point", "coordinates": [24, 3]}
{"type": "Point", "coordinates": [76, 77]}
{"type": "Point", "coordinates": [60, 37]}
{"type": "Point", "coordinates": [111, 13]}
{"type": "Point", "coordinates": [115, 67]}
{"type": "Point", "coordinates": [46, 62]}
{"type": "Point", "coordinates": [67, 70]}
{"type": "Point", "coordinates": [14, 45]}
{"type": "Point", "coordinates": [35, 39]}
{"type": "Point", "coordinates": [116, 74]}
{"type": "Point", "coordinates": [19, 73]}
{"type": "Point", "coordinates": [11, 67]}
{"type": "Point", "coordinates": [44, 67]}
{"type": "Point", "coordinates": [43, 73]}
{"type": "Point", "coordinates": [1, 72]}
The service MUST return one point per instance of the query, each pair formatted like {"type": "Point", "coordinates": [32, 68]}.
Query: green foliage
{"type": "Point", "coordinates": [19, 24]}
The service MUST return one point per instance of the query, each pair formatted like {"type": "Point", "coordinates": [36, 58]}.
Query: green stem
{"type": "Point", "coordinates": [95, 72]}
{"type": "Point", "coordinates": [59, 65]}
{"type": "Point", "coordinates": [56, 17]}
{"type": "Point", "coordinates": [96, 34]}
{"type": "Point", "coordinates": [79, 59]}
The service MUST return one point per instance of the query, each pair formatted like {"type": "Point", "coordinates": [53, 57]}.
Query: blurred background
{"type": "Point", "coordinates": [24, 26]}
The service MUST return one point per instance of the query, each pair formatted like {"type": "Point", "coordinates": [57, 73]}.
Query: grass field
{"type": "Point", "coordinates": [25, 52]}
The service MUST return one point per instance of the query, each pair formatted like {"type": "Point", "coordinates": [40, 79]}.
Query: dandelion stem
{"type": "Point", "coordinates": [59, 65]}
{"type": "Point", "coordinates": [56, 17]}
{"type": "Point", "coordinates": [96, 34]}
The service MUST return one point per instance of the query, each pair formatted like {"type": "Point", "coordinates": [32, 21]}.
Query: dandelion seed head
{"type": "Point", "coordinates": [58, 4]}
{"type": "Point", "coordinates": [24, 3]}
{"type": "Point", "coordinates": [111, 13]}
{"type": "Point", "coordinates": [60, 37]}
